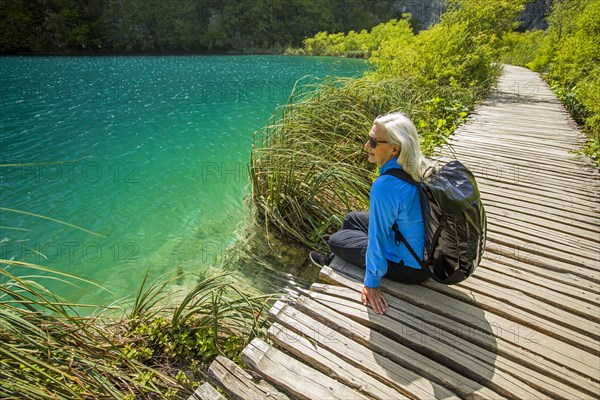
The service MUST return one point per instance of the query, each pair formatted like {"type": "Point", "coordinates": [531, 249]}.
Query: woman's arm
{"type": "Point", "coordinates": [383, 211]}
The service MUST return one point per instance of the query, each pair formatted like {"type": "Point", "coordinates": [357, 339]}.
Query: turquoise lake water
{"type": "Point", "coordinates": [149, 153]}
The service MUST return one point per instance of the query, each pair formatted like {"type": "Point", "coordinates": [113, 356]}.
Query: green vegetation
{"type": "Point", "coordinates": [177, 25]}
{"type": "Point", "coordinates": [568, 56]}
{"type": "Point", "coordinates": [309, 168]}
{"type": "Point", "coordinates": [147, 350]}
{"type": "Point", "coordinates": [354, 44]}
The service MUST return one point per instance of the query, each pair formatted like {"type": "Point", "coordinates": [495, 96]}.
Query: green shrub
{"type": "Point", "coordinates": [357, 44]}
{"type": "Point", "coordinates": [569, 58]}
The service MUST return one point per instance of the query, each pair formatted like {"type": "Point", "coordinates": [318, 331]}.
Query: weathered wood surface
{"type": "Point", "coordinates": [239, 384]}
{"type": "Point", "coordinates": [526, 325]}
{"type": "Point", "coordinates": [300, 380]}
{"type": "Point", "coordinates": [206, 392]}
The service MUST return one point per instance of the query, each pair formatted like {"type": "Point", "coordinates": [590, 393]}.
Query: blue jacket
{"type": "Point", "coordinates": [392, 200]}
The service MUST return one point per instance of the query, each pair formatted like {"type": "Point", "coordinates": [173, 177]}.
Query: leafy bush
{"type": "Point", "coordinates": [357, 44]}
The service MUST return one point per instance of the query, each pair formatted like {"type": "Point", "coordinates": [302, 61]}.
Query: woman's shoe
{"type": "Point", "coordinates": [320, 259]}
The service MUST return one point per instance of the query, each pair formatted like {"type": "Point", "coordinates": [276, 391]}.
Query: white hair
{"type": "Point", "coordinates": [400, 131]}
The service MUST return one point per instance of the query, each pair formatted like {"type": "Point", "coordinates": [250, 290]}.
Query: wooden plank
{"type": "Point", "coordinates": [206, 392]}
{"type": "Point", "coordinates": [239, 384]}
{"type": "Point", "coordinates": [505, 141]}
{"type": "Point", "coordinates": [475, 154]}
{"type": "Point", "coordinates": [516, 257]}
{"type": "Point", "coordinates": [344, 360]}
{"type": "Point", "coordinates": [524, 186]}
{"type": "Point", "coordinates": [544, 338]}
{"type": "Point", "coordinates": [569, 341]}
{"type": "Point", "coordinates": [562, 132]}
{"type": "Point", "coordinates": [529, 110]}
{"type": "Point", "coordinates": [511, 146]}
{"type": "Point", "coordinates": [545, 279]}
{"type": "Point", "coordinates": [512, 168]}
{"type": "Point", "coordinates": [536, 127]}
{"type": "Point", "coordinates": [296, 378]}
{"type": "Point", "coordinates": [557, 223]}
{"type": "Point", "coordinates": [503, 258]}
{"type": "Point", "coordinates": [568, 206]}
{"type": "Point", "coordinates": [517, 186]}
{"type": "Point", "coordinates": [333, 366]}
{"type": "Point", "coordinates": [562, 205]}
{"type": "Point", "coordinates": [541, 294]}
{"type": "Point", "coordinates": [519, 296]}
{"type": "Point", "coordinates": [444, 345]}
{"type": "Point", "coordinates": [544, 241]}
{"type": "Point", "coordinates": [535, 243]}
{"type": "Point", "coordinates": [547, 203]}
{"type": "Point", "coordinates": [498, 219]}
{"type": "Point", "coordinates": [534, 248]}
{"type": "Point", "coordinates": [514, 342]}
{"type": "Point", "coordinates": [561, 129]}
{"type": "Point", "coordinates": [530, 138]}
{"type": "Point", "coordinates": [509, 151]}
{"type": "Point", "coordinates": [521, 251]}
{"type": "Point", "coordinates": [559, 167]}
{"type": "Point", "coordinates": [569, 167]}
{"type": "Point", "coordinates": [381, 357]}
{"type": "Point", "coordinates": [587, 221]}
{"type": "Point", "coordinates": [533, 132]}
{"type": "Point", "coordinates": [491, 116]}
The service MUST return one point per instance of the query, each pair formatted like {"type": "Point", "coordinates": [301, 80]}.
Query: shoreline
{"type": "Point", "coordinates": [92, 53]}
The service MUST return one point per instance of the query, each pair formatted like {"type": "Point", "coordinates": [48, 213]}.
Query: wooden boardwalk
{"type": "Point", "coordinates": [526, 325]}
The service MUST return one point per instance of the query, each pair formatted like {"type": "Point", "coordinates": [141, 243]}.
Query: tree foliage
{"type": "Point", "coordinates": [178, 25]}
{"type": "Point", "coordinates": [460, 49]}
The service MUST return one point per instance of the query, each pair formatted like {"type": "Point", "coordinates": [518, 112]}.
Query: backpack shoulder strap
{"type": "Point", "coordinates": [404, 176]}
{"type": "Point", "coordinates": [401, 239]}
{"type": "Point", "coordinates": [401, 174]}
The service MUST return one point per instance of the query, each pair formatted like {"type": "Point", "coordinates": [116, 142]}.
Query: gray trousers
{"type": "Point", "coordinates": [350, 244]}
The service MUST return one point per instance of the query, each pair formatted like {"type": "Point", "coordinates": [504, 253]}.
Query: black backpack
{"type": "Point", "coordinates": [455, 222]}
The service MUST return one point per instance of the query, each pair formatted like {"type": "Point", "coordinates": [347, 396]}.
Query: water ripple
{"type": "Point", "coordinates": [151, 154]}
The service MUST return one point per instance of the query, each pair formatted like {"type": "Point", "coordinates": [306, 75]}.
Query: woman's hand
{"type": "Point", "coordinates": [374, 297]}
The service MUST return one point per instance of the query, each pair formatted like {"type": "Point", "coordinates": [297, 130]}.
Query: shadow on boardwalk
{"type": "Point", "coordinates": [526, 325]}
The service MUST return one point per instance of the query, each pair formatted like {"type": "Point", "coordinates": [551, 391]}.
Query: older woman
{"type": "Point", "coordinates": [367, 239]}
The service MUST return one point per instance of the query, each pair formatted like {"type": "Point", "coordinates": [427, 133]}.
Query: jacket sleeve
{"type": "Point", "coordinates": [383, 212]}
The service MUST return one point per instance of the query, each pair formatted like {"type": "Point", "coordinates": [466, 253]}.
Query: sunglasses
{"type": "Point", "coordinates": [373, 142]}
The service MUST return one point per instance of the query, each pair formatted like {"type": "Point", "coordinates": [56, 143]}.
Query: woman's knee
{"type": "Point", "coordinates": [358, 220]}
{"type": "Point", "coordinates": [336, 241]}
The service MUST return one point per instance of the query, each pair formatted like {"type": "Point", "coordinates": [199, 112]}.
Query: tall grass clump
{"type": "Point", "coordinates": [150, 349]}
{"type": "Point", "coordinates": [568, 56]}
{"type": "Point", "coordinates": [308, 166]}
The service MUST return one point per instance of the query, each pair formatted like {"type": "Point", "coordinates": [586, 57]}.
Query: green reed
{"type": "Point", "coordinates": [309, 167]}
{"type": "Point", "coordinates": [151, 349]}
